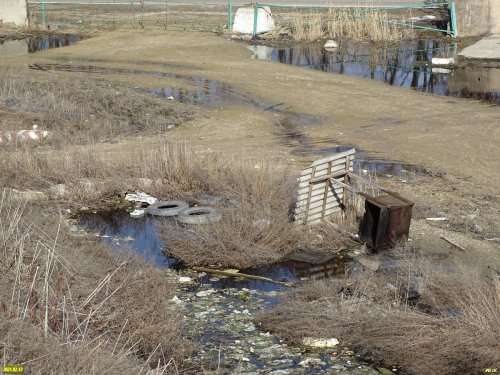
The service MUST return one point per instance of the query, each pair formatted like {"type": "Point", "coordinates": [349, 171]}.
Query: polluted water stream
{"type": "Point", "coordinates": [36, 44]}
{"type": "Point", "coordinates": [408, 64]}
{"type": "Point", "coordinates": [219, 311]}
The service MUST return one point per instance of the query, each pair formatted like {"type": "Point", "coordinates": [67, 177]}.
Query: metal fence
{"type": "Point", "coordinates": [445, 10]}
{"type": "Point", "coordinates": [204, 15]}
{"type": "Point", "coordinates": [134, 14]}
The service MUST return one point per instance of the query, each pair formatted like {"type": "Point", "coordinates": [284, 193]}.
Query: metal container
{"type": "Point", "coordinates": [386, 221]}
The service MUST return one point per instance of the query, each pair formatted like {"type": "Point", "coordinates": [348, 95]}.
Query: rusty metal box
{"type": "Point", "coordinates": [386, 220]}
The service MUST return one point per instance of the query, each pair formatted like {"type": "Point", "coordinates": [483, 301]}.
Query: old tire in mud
{"type": "Point", "coordinates": [166, 208]}
{"type": "Point", "coordinates": [199, 215]}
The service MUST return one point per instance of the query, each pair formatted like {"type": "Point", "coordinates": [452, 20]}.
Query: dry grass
{"type": "Point", "coordinates": [245, 194]}
{"type": "Point", "coordinates": [84, 111]}
{"type": "Point", "coordinates": [353, 25]}
{"type": "Point", "coordinates": [69, 306]}
{"type": "Point", "coordinates": [256, 227]}
{"type": "Point", "coordinates": [376, 314]}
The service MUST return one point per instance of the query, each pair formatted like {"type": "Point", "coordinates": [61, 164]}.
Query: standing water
{"type": "Point", "coordinates": [220, 311]}
{"type": "Point", "coordinates": [405, 65]}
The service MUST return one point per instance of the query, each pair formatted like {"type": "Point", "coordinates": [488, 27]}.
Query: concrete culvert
{"type": "Point", "coordinates": [200, 215]}
{"type": "Point", "coordinates": [166, 208]}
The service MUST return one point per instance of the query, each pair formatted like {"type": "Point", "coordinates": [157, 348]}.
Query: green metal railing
{"type": "Point", "coordinates": [357, 12]}
{"type": "Point", "coordinates": [165, 14]}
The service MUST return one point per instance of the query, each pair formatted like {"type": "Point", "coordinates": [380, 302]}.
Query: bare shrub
{"type": "Point", "coordinates": [452, 328]}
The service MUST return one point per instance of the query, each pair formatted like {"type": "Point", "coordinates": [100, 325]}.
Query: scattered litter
{"type": "Point", "coordinates": [184, 280]}
{"type": "Point", "coordinates": [320, 343]}
{"type": "Point", "coordinates": [170, 97]}
{"type": "Point", "coordinates": [205, 293]}
{"type": "Point", "coordinates": [443, 61]}
{"type": "Point", "coordinates": [330, 44]}
{"type": "Point", "coordinates": [176, 300]}
{"type": "Point", "coordinates": [436, 218]}
{"type": "Point", "coordinates": [23, 135]}
{"type": "Point", "coordinates": [137, 213]}
{"type": "Point", "coordinates": [311, 362]}
{"type": "Point", "coordinates": [140, 197]}
{"type": "Point", "coordinates": [452, 243]}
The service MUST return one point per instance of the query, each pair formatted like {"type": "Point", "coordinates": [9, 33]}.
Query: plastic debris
{"type": "Point", "coordinates": [184, 280]}
{"type": "Point", "coordinates": [140, 197]}
{"type": "Point", "coordinates": [137, 213]}
{"type": "Point", "coordinates": [320, 343]}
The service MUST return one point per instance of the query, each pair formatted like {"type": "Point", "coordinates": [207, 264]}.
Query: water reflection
{"type": "Point", "coordinates": [406, 65]}
{"type": "Point", "coordinates": [35, 44]}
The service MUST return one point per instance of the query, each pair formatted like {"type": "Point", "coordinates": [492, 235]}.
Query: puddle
{"type": "Point", "coordinates": [208, 93]}
{"type": "Point", "coordinates": [219, 311]}
{"type": "Point", "coordinates": [35, 44]}
{"type": "Point", "coordinates": [407, 65]}
{"type": "Point", "coordinates": [119, 230]}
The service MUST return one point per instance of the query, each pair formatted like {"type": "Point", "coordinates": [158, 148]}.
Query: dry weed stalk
{"type": "Point", "coordinates": [453, 327]}
{"type": "Point", "coordinates": [355, 24]}
{"type": "Point", "coordinates": [57, 316]}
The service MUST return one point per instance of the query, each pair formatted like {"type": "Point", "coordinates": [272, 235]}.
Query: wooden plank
{"type": "Point", "coordinates": [323, 172]}
{"type": "Point", "coordinates": [329, 203]}
{"type": "Point", "coordinates": [330, 175]}
{"type": "Point", "coordinates": [346, 182]}
{"type": "Point", "coordinates": [319, 185]}
{"type": "Point", "coordinates": [321, 167]}
{"type": "Point", "coordinates": [314, 197]}
{"type": "Point", "coordinates": [317, 216]}
{"type": "Point", "coordinates": [309, 199]}
{"type": "Point", "coordinates": [317, 210]}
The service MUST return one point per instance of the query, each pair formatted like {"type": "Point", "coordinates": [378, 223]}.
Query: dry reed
{"type": "Point", "coordinates": [354, 24]}
{"type": "Point", "coordinates": [453, 327]}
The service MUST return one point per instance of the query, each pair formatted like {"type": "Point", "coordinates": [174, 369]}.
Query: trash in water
{"type": "Point", "coordinates": [137, 213]}
{"type": "Point", "coordinates": [320, 343]}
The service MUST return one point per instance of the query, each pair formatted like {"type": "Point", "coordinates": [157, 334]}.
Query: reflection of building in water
{"type": "Point", "coordinates": [13, 47]}
{"type": "Point", "coordinates": [478, 83]}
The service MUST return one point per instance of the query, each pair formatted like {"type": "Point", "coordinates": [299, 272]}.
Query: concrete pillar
{"type": "Point", "coordinates": [14, 11]}
{"type": "Point", "coordinates": [473, 17]}
{"type": "Point", "coordinates": [495, 16]}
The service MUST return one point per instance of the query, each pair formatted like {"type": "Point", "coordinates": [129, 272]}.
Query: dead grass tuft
{"type": "Point", "coordinates": [354, 24]}
{"type": "Point", "coordinates": [69, 306]}
{"type": "Point", "coordinates": [86, 111]}
{"type": "Point", "coordinates": [454, 327]}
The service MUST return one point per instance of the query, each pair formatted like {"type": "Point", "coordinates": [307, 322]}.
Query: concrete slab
{"type": "Point", "coordinates": [14, 11]}
{"type": "Point", "coordinates": [244, 19]}
{"type": "Point", "coordinates": [487, 48]}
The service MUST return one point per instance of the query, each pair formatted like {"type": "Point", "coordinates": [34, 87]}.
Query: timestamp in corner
{"type": "Point", "coordinates": [13, 369]}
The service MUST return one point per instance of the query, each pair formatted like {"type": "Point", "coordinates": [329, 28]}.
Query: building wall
{"type": "Point", "coordinates": [473, 17]}
{"type": "Point", "coordinates": [495, 16]}
{"type": "Point", "coordinates": [14, 11]}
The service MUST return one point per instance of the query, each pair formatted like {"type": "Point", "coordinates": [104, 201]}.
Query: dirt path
{"type": "Point", "coordinates": [449, 136]}
{"type": "Point", "coordinates": [459, 136]}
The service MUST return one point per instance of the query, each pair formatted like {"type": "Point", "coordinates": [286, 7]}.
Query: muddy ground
{"type": "Point", "coordinates": [455, 140]}
{"type": "Point", "coordinates": [290, 116]}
